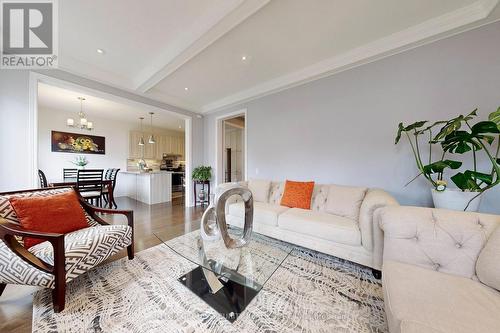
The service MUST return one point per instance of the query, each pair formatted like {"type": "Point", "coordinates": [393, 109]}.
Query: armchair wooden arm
{"type": "Point", "coordinates": [8, 231]}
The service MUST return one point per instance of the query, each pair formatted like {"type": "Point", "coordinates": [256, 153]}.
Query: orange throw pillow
{"type": "Point", "coordinates": [297, 194]}
{"type": "Point", "coordinates": [59, 213]}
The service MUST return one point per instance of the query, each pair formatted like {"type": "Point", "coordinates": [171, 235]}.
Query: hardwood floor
{"type": "Point", "coordinates": [168, 220]}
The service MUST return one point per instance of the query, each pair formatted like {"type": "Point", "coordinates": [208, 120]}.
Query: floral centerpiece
{"type": "Point", "coordinates": [80, 162]}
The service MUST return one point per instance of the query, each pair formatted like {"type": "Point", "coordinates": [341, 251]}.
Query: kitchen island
{"type": "Point", "coordinates": [148, 187]}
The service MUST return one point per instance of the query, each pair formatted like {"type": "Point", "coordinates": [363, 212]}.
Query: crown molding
{"type": "Point", "coordinates": [195, 42]}
{"type": "Point", "coordinates": [381, 48]}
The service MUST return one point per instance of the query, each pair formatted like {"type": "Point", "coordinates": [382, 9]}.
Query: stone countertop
{"type": "Point", "coordinates": [144, 173]}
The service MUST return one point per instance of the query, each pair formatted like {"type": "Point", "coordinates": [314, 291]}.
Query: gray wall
{"type": "Point", "coordinates": [341, 129]}
{"type": "Point", "coordinates": [14, 115]}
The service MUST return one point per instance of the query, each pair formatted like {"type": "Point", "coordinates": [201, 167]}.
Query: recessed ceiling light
{"type": "Point", "coordinates": [186, 88]}
{"type": "Point", "coordinates": [243, 58]}
{"type": "Point", "coordinates": [100, 51]}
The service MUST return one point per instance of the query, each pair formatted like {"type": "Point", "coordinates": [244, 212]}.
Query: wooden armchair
{"type": "Point", "coordinates": [62, 257]}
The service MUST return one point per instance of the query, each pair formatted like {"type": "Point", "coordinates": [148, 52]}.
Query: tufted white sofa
{"type": "Point", "coordinates": [339, 223]}
{"type": "Point", "coordinates": [441, 270]}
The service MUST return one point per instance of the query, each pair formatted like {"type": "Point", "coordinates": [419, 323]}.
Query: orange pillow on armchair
{"type": "Point", "coordinates": [59, 213]}
{"type": "Point", "coordinates": [297, 194]}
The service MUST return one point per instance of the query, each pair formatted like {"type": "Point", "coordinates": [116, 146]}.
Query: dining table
{"type": "Point", "coordinates": [72, 181]}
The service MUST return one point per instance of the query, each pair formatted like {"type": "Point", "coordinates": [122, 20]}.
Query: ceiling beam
{"type": "Point", "coordinates": [171, 62]}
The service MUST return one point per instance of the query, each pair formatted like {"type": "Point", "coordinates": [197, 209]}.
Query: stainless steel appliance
{"type": "Point", "coordinates": [172, 163]}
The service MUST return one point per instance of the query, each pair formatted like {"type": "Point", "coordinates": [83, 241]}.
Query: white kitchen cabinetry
{"type": "Point", "coordinates": [165, 144]}
{"type": "Point", "coordinates": [150, 188]}
{"type": "Point", "coordinates": [136, 151]}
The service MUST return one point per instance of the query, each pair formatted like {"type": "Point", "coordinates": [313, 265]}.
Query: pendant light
{"type": "Point", "coordinates": [83, 123]}
{"type": "Point", "coordinates": [151, 137]}
{"type": "Point", "coordinates": [141, 140]}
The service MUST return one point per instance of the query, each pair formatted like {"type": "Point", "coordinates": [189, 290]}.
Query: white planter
{"type": "Point", "coordinates": [455, 199]}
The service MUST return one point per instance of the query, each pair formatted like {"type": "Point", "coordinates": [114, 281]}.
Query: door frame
{"type": "Point", "coordinates": [219, 141]}
{"type": "Point", "coordinates": [36, 78]}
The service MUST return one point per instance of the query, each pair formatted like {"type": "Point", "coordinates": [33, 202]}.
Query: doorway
{"type": "Point", "coordinates": [231, 148]}
{"type": "Point", "coordinates": [36, 79]}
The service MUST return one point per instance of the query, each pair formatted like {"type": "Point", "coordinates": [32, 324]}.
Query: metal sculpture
{"type": "Point", "coordinates": [217, 211]}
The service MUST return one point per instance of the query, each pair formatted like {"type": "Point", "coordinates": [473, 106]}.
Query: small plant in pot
{"type": "Point", "coordinates": [80, 162]}
{"type": "Point", "coordinates": [202, 173]}
{"type": "Point", "coordinates": [457, 136]}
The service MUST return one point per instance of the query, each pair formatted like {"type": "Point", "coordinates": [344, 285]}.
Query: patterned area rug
{"type": "Point", "coordinates": [310, 292]}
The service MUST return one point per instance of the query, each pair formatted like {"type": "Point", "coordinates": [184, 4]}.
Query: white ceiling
{"type": "Point", "coordinates": [55, 98]}
{"type": "Point", "coordinates": [160, 47]}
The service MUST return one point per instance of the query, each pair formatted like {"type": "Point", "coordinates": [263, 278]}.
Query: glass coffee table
{"type": "Point", "coordinates": [228, 279]}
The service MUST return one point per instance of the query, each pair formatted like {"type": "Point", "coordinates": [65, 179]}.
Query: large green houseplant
{"type": "Point", "coordinates": [457, 136]}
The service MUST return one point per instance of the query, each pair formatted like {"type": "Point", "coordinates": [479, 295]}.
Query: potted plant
{"type": "Point", "coordinates": [457, 136]}
{"type": "Point", "coordinates": [80, 162]}
{"type": "Point", "coordinates": [202, 174]}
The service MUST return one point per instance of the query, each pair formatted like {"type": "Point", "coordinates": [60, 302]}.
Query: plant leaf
{"type": "Point", "coordinates": [495, 117]}
{"type": "Point", "coordinates": [484, 177]}
{"type": "Point", "coordinates": [465, 182]}
{"type": "Point", "coordinates": [398, 135]}
{"type": "Point", "coordinates": [439, 166]}
{"type": "Point", "coordinates": [415, 125]}
{"type": "Point", "coordinates": [483, 127]}
{"type": "Point", "coordinates": [402, 128]}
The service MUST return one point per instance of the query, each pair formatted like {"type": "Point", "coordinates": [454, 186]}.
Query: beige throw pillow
{"type": "Point", "coordinates": [345, 201]}
{"type": "Point", "coordinates": [260, 189]}
{"type": "Point", "coordinates": [488, 263]}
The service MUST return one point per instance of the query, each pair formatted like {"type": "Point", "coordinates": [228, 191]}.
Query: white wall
{"type": "Point", "coordinates": [15, 158]}
{"type": "Point", "coordinates": [341, 129]}
{"type": "Point", "coordinates": [117, 145]}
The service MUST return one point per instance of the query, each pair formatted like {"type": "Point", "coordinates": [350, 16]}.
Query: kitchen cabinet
{"type": "Point", "coordinates": [168, 144]}
{"type": "Point", "coordinates": [135, 151]}
{"type": "Point", "coordinates": [150, 188]}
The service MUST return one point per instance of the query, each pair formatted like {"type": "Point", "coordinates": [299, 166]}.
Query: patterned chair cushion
{"type": "Point", "coordinates": [87, 248]}
{"type": "Point", "coordinates": [14, 270]}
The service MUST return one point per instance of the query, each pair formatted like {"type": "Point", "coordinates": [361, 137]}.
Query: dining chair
{"type": "Point", "coordinates": [89, 185]}
{"type": "Point", "coordinates": [111, 174]}
{"type": "Point", "coordinates": [43, 179]}
{"type": "Point", "coordinates": [70, 173]}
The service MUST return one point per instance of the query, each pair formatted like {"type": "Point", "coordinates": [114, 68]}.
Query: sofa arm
{"type": "Point", "coordinates": [437, 239]}
{"type": "Point", "coordinates": [370, 233]}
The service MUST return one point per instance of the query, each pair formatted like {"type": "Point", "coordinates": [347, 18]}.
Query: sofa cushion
{"type": "Point", "coordinates": [488, 263]}
{"type": "Point", "coordinates": [260, 189]}
{"type": "Point", "coordinates": [418, 297]}
{"type": "Point", "coordinates": [263, 213]}
{"type": "Point", "coordinates": [58, 213]}
{"type": "Point", "coordinates": [297, 194]}
{"type": "Point", "coordinates": [322, 225]}
{"type": "Point", "coordinates": [345, 201]}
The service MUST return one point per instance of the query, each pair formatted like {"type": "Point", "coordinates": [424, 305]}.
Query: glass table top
{"type": "Point", "coordinates": [250, 266]}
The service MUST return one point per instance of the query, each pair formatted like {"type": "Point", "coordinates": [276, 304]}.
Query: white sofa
{"type": "Point", "coordinates": [339, 223]}
{"type": "Point", "coordinates": [441, 270]}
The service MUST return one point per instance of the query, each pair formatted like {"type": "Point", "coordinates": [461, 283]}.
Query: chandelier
{"type": "Point", "coordinates": [83, 122]}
